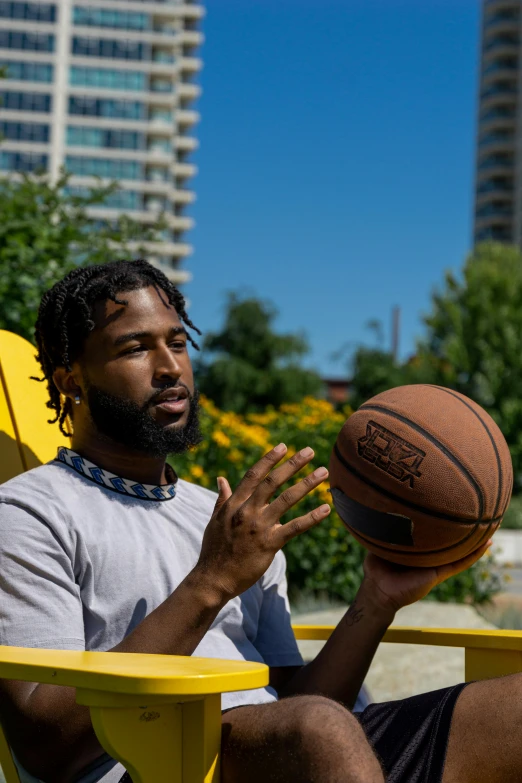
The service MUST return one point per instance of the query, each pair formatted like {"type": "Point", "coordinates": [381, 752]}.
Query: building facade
{"type": "Point", "coordinates": [104, 88]}
{"type": "Point", "coordinates": [498, 183]}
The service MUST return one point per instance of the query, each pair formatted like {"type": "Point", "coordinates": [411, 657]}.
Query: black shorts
{"type": "Point", "coordinates": [410, 736]}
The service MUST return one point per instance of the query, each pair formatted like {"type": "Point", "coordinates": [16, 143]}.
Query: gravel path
{"type": "Point", "coordinates": [401, 670]}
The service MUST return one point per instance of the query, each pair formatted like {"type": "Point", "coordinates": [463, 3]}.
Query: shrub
{"type": "Point", "coordinates": [326, 559]}
{"type": "Point", "coordinates": [513, 517]}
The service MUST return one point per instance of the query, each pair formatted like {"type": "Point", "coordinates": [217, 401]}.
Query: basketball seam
{"type": "Point", "coordinates": [412, 553]}
{"type": "Point", "coordinates": [408, 503]}
{"type": "Point", "coordinates": [404, 419]}
{"type": "Point", "coordinates": [490, 436]}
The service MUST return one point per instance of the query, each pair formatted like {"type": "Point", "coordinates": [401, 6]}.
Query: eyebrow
{"type": "Point", "coordinates": [125, 338]}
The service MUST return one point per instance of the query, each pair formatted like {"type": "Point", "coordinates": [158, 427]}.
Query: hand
{"type": "Point", "coordinates": [244, 533]}
{"type": "Point", "coordinates": [394, 586]}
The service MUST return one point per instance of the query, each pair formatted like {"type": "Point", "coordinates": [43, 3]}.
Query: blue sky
{"type": "Point", "coordinates": [336, 161]}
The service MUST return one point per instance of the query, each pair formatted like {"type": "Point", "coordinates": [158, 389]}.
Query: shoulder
{"type": "Point", "coordinates": [46, 493]}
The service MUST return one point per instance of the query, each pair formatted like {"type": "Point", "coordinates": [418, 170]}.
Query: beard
{"type": "Point", "coordinates": [132, 425]}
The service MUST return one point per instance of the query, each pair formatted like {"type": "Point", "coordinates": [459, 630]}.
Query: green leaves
{"type": "Point", "coordinates": [247, 366]}
{"type": "Point", "coordinates": [44, 233]}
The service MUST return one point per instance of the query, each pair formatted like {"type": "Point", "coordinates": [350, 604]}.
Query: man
{"type": "Point", "coordinates": [105, 549]}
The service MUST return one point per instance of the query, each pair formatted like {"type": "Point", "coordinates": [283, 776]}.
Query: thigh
{"type": "Point", "coordinates": [485, 744]}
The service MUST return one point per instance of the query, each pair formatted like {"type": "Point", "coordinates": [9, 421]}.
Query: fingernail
{"type": "Point", "coordinates": [306, 452]}
{"type": "Point", "coordinates": [279, 449]}
{"type": "Point", "coordinates": [324, 509]}
{"type": "Point", "coordinates": [320, 473]}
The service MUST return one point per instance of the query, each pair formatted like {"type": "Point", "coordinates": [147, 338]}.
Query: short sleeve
{"type": "Point", "coordinates": [275, 639]}
{"type": "Point", "coordinates": [40, 603]}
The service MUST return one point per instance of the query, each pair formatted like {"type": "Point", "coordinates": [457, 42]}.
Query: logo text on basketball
{"type": "Point", "coordinates": [390, 453]}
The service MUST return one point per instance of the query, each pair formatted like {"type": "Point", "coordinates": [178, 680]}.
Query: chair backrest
{"type": "Point", "coordinates": [26, 438]}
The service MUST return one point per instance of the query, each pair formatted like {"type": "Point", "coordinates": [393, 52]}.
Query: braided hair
{"type": "Point", "coordinates": [65, 316]}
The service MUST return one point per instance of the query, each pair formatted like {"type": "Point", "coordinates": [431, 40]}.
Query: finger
{"type": "Point", "coordinates": [302, 524]}
{"type": "Point", "coordinates": [272, 481]}
{"type": "Point", "coordinates": [224, 492]}
{"type": "Point", "coordinates": [297, 492]}
{"type": "Point", "coordinates": [444, 572]}
{"type": "Point", "coordinates": [257, 473]}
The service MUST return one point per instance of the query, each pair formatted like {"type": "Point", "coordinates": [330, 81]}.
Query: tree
{"type": "Point", "coordinates": [44, 233]}
{"type": "Point", "coordinates": [472, 343]}
{"type": "Point", "coordinates": [247, 366]}
{"type": "Point", "coordinates": [473, 340]}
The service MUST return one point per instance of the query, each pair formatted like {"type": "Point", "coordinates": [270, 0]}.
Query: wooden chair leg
{"type": "Point", "coordinates": [148, 741]}
{"type": "Point", "coordinates": [163, 742]}
{"type": "Point", "coordinates": [484, 663]}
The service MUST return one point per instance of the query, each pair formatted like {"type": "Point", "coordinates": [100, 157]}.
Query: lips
{"type": "Point", "coordinates": [173, 400]}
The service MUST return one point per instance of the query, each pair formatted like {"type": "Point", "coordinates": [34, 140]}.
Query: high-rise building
{"type": "Point", "coordinates": [498, 181]}
{"type": "Point", "coordinates": [104, 88]}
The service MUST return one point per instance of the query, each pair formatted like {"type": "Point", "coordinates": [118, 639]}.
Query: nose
{"type": "Point", "coordinates": [167, 365]}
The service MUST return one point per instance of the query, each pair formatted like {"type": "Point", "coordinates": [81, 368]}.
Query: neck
{"type": "Point", "coordinates": [121, 460]}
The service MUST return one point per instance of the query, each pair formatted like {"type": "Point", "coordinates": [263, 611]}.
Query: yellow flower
{"type": "Point", "coordinates": [196, 471]}
{"type": "Point", "coordinates": [221, 439]}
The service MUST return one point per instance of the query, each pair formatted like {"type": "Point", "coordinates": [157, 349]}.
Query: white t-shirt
{"type": "Point", "coordinates": [85, 556]}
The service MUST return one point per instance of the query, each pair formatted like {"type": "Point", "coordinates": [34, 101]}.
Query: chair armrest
{"type": "Point", "coordinates": [487, 653]}
{"type": "Point", "coordinates": [445, 637]}
{"type": "Point", "coordinates": [131, 673]}
{"type": "Point", "coordinates": [159, 715]}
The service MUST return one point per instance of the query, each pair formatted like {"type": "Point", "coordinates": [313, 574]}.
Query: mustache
{"type": "Point", "coordinates": [152, 401]}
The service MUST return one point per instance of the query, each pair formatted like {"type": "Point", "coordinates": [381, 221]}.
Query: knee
{"type": "Point", "coordinates": [317, 720]}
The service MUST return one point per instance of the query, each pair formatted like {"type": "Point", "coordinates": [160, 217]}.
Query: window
{"type": "Point", "coordinates": [100, 17]}
{"type": "Point", "coordinates": [33, 42]}
{"type": "Point", "coordinates": [37, 12]}
{"type": "Point", "coordinates": [100, 137]}
{"type": "Point", "coordinates": [102, 167]}
{"type": "Point", "coordinates": [158, 174]}
{"type": "Point", "coordinates": [104, 77]}
{"type": "Point", "coordinates": [28, 72]}
{"type": "Point", "coordinates": [25, 101]}
{"type": "Point", "coordinates": [165, 115]}
{"type": "Point", "coordinates": [106, 47]}
{"type": "Point", "coordinates": [121, 199]}
{"type": "Point", "coordinates": [22, 161]}
{"type": "Point", "coordinates": [99, 107]}
{"type": "Point", "coordinates": [24, 131]}
{"type": "Point", "coordinates": [161, 84]}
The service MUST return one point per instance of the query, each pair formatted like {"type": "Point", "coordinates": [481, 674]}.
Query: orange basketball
{"type": "Point", "coordinates": [421, 475]}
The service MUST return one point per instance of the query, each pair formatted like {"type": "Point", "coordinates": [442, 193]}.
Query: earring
{"type": "Point", "coordinates": [77, 399]}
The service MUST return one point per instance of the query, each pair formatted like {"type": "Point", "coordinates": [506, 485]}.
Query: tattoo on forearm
{"type": "Point", "coordinates": [354, 615]}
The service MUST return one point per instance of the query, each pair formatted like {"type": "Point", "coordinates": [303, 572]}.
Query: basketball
{"type": "Point", "coordinates": [421, 475]}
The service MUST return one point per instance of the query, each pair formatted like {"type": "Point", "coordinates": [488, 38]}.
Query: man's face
{"type": "Point", "coordinates": [137, 379]}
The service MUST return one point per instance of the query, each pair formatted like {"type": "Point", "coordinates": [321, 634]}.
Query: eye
{"type": "Point", "coordinates": [178, 345]}
{"type": "Point", "coordinates": [136, 349]}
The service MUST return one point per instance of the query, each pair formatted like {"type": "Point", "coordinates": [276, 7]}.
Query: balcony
{"type": "Point", "coordinates": [190, 64]}
{"type": "Point", "coordinates": [497, 142]}
{"type": "Point", "coordinates": [187, 91]}
{"type": "Point", "coordinates": [186, 143]}
{"type": "Point", "coordinates": [503, 89]}
{"type": "Point", "coordinates": [191, 38]}
{"type": "Point", "coordinates": [184, 170]}
{"type": "Point", "coordinates": [187, 117]}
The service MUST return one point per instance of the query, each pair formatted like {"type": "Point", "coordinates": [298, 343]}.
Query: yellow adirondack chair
{"type": "Point", "coordinates": [159, 714]}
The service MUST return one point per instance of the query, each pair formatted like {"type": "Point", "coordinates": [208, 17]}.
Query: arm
{"type": "Point", "coordinates": [339, 670]}
{"type": "Point", "coordinates": [51, 735]}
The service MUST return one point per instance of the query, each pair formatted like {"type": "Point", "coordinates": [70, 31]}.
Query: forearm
{"type": "Point", "coordinates": [57, 729]}
{"type": "Point", "coordinates": [340, 668]}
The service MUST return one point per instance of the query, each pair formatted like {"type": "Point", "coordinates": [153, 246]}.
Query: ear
{"type": "Point", "coordinates": [67, 383]}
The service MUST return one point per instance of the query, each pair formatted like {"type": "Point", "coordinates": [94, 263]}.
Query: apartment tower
{"type": "Point", "coordinates": [104, 88]}
{"type": "Point", "coordinates": [498, 185]}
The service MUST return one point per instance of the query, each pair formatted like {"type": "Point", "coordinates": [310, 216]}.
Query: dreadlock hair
{"type": "Point", "coordinates": [66, 312]}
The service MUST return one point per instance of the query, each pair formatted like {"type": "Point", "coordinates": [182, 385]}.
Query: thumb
{"type": "Point", "coordinates": [224, 491]}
